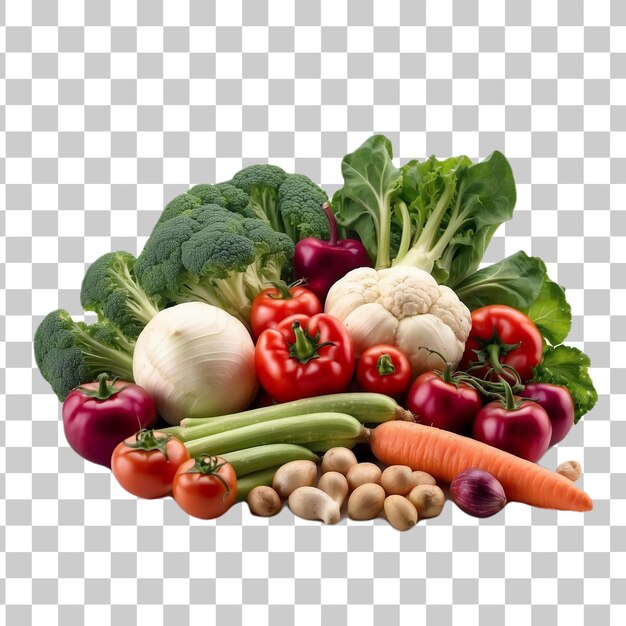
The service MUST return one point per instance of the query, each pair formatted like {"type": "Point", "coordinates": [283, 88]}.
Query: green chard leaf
{"type": "Point", "coordinates": [515, 281]}
{"type": "Point", "coordinates": [568, 366]}
{"type": "Point", "coordinates": [365, 202]}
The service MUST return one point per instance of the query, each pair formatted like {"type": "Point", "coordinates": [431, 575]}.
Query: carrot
{"type": "Point", "coordinates": [444, 454]}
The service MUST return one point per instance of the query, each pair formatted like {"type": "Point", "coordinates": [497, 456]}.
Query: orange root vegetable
{"type": "Point", "coordinates": [444, 454]}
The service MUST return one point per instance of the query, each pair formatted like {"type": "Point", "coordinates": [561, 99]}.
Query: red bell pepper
{"type": "Point", "coordinates": [304, 357]}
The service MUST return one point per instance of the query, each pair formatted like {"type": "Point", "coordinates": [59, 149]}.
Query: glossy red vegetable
{"type": "Point", "coordinates": [502, 335]}
{"type": "Point", "coordinates": [323, 263]}
{"type": "Point", "coordinates": [520, 427]}
{"type": "Point", "coordinates": [98, 415]}
{"type": "Point", "coordinates": [274, 304]}
{"type": "Point", "coordinates": [146, 463]}
{"type": "Point", "coordinates": [557, 402]}
{"type": "Point", "coordinates": [383, 369]}
{"type": "Point", "coordinates": [439, 399]}
{"type": "Point", "coordinates": [304, 357]}
{"type": "Point", "coordinates": [205, 487]}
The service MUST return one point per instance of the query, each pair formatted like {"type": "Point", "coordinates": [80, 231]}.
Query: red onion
{"type": "Point", "coordinates": [478, 493]}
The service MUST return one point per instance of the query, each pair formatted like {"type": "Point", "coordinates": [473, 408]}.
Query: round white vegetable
{"type": "Point", "coordinates": [195, 360]}
{"type": "Point", "coordinates": [403, 306]}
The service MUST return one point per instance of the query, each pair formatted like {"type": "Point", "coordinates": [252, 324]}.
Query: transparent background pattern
{"type": "Point", "coordinates": [112, 107]}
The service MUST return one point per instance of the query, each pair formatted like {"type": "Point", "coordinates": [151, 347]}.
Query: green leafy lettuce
{"type": "Point", "coordinates": [444, 213]}
{"type": "Point", "coordinates": [568, 366]}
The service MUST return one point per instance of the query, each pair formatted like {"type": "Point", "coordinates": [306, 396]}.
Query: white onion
{"type": "Point", "coordinates": [195, 360]}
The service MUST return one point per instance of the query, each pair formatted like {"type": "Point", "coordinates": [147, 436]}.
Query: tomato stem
{"type": "Point", "coordinates": [508, 401]}
{"type": "Point", "coordinates": [145, 440]}
{"type": "Point", "coordinates": [384, 365]}
{"type": "Point", "coordinates": [209, 466]}
{"type": "Point", "coordinates": [283, 289]}
{"type": "Point", "coordinates": [305, 348]}
{"type": "Point", "coordinates": [493, 352]}
{"type": "Point", "coordinates": [447, 374]}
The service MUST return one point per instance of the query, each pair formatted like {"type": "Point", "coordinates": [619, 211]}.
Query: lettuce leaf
{"type": "Point", "coordinates": [568, 366]}
{"type": "Point", "coordinates": [551, 312]}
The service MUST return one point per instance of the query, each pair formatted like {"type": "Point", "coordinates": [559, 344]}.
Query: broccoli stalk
{"type": "Point", "coordinates": [70, 353]}
{"type": "Point", "coordinates": [110, 290]}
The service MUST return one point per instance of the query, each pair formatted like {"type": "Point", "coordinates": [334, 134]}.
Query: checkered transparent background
{"type": "Point", "coordinates": [114, 106]}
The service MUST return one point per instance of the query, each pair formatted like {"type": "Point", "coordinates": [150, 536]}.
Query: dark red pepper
{"type": "Point", "coordinates": [323, 263]}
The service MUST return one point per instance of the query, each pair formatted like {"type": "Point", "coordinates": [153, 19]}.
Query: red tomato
{"type": "Point", "coordinates": [444, 404]}
{"type": "Point", "coordinates": [383, 369]}
{"type": "Point", "coordinates": [523, 429]}
{"type": "Point", "coordinates": [146, 463]}
{"type": "Point", "coordinates": [100, 414]}
{"type": "Point", "coordinates": [205, 487]}
{"type": "Point", "coordinates": [304, 357]}
{"type": "Point", "coordinates": [501, 334]}
{"type": "Point", "coordinates": [273, 305]}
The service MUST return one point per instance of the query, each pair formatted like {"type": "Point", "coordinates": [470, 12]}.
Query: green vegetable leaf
{"type": "Point", "coordinates": [568, 366]}
{"type": "Point", "coordinates": [551, 312]}
{"type": "Point", "coordinates": [515, 281]}
{"type": "Point", "coordinates": [365, 202]}
{"type": "Point", "coordinates": [456, 207]}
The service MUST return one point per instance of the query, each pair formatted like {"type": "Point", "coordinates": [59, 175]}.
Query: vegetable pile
{"type": "Point", "coordinates": [349, 356]}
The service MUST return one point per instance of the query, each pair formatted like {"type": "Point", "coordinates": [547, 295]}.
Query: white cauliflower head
{"type": "Point", "coordinates": [402, 306]}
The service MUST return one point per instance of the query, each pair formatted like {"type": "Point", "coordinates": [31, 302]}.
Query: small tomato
{"type": "Point", "coordinates": [273, 305]}
{"type": "Point", "coordinates": [383, 369]}
{"type": "Point", "coordinates": [146, 463]}
{"type": "Point", "coordinates": [205, 487]}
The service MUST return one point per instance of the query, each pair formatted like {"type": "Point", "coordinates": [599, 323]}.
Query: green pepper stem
{"type": "Point", "coordinates": [332, 223]}
{"type": "Point", "coordinates": [302, 348]}
{"type": "Point", "coordinates": [305, 347]}
{"type": "Point", "coordinates": [106, 388]}
{"type": "Point", "coordinates": [384, 365]}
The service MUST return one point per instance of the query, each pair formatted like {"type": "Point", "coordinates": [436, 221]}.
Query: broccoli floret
{"type": "Point", "coordinates": [300, 203]}
{"type": "Point", "coordinates": [223, 194]}
{"type": "Point", "coordinates": [261, 182]}
{"type": "Point", "coordinates": [213, 255]}
{"type": "Point", "coordinates": [70, 353]}
{"type": "Point", "coordinates": [159, 267]}
{"type": "Point", "coordinates": [110, 290]}
{"type": "Point", "coordinates": [234, 199]}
